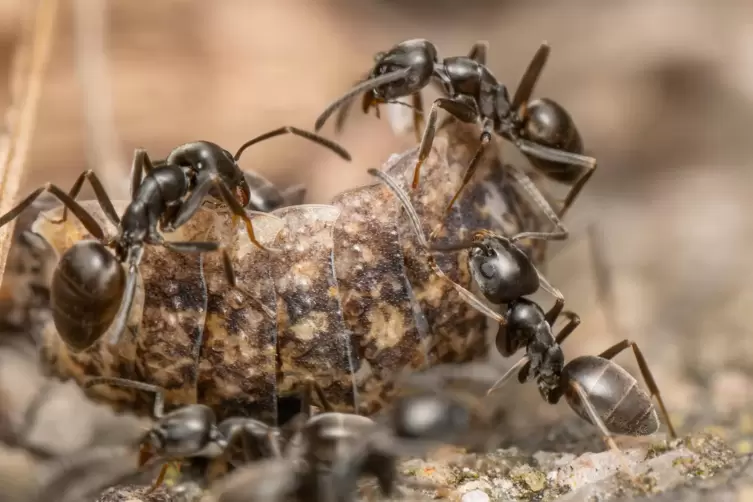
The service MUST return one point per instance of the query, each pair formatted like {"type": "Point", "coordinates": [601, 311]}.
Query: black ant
{"type": "Point", "coordinates": [191, 433]}
{"type": "Point", "coordinates": [596, 388]}
{"type": "Point", "coordinates": [326, 453]}
{"type": "Point", "coordinates": [91, 292]}
{"type": "Point", "coordinates": [541, 129]}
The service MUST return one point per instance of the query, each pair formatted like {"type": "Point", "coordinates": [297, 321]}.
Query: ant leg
{"type": "Point", "coordinates": [528, 80]}
{"type": "Point", "coordinates": [478, 52]}
{"type": "Point", "coordinates": [159, 392]}
{"type": "Point", "coordinates": [560, 232]}
{"type": "Point", "coordinates": [141, 164]}
{"type": "Point", "coordinates": [100, 193]}
{"type": "Point", "coordinates": [486, 137]}
{"type": "Point", "coordinates": [88, 221]}
{"type": "Point", "coordinates": [469, 297]}
{"type": "Point", "coordinates": [418, 114]}
{"type": "Point", "coordinates": [573, 193]}
{"type": "Point", "coordinates": [573, 321]}
{"type": "Point", "coordinates": [160, 479]}
{"type": "Point", "coordinates": [555, 155]}
{"type": "Point", "coordinates": [647, 376]}
{"type": "Point", "coordinates": [188, 208]}
{"type": "Point", "coordinates": [311, 387]}
{"type": "Point", "coordinates": [320, 140]}
{"type": "Point", "coordinates": [121, 318]}
{"type": "Point", "coordinates": [594, 416]}
{"type": "Point", "coordinates": [238, 211]}
{"type": "Point", "coordinates": [227, 265]}
{"type": "Point", "coordinates": [555, 311]}
{"type": "Point", "coordinates": [464, 110]}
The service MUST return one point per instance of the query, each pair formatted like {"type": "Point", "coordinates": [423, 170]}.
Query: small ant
{"type": "Point", "coordinates": [596, 388]}
{"type": "Point", "coordinates": [90, 291]}
{"type": "Point", "coordinates": [192, 433]}
{"type": "Point", "coordinates": [541, 129]}
{"type": "Point", "coordinates": [327, 453]}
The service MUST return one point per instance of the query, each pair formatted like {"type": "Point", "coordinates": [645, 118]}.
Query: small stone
{"type": "Point", "coordinates": [475, 496]}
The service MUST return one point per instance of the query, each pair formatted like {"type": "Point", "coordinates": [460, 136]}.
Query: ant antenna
{"type": "Point", "coordinates": [368, 85]}
{"type": "Point", "coordinates": [298, 132]}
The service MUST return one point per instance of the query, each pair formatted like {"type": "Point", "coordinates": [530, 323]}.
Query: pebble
{"type": "Point", "coordinates": [475, 496]}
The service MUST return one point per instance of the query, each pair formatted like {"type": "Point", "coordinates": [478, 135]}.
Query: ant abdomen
{"type": "Point", "coordinates": [549, 124]}
{"type": "Point", "coordinates": [623, 406]}
{"type": "Point", "coordinates": [87, 289]}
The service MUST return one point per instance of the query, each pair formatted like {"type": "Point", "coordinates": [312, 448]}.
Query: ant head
{"type": "Point", "coordinates": [417, 57]}
{"type": "Point", "coordinates": [186, 432]}
{"type": "Point", "coordinates": [502, 271]}
{"type": "Point", "coordinates": [429, 416]}
{"type": "Point", "coordinates": [233, 177]}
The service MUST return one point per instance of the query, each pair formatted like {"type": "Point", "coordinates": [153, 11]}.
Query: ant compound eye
{"type": "Point", "coordinates": [488, 270]}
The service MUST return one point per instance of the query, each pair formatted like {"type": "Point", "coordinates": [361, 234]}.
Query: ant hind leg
{"type": "Point", "coordinates": [612, 351]}
{"type": "Point", "coordinates": [86, 219]}
{"type": "Point", "coordinates": [100, 193]}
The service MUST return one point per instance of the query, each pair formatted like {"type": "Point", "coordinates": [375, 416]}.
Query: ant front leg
{"type": "Point", "coordinates": [227, 266]}
{"type": "Point", "coordinates": [486, 137]}
{"type": "Point", "coordinates": [191, 205]}
{"type": "Point", "coordinates": [462, 107]}
{"type": "Point", "coordinates": [418, 114]}
{"type": "Point", "coordinates": [647, 376]}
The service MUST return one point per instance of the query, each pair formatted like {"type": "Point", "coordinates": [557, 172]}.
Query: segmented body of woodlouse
{"type": "Point", "coordinates": [355, 299]}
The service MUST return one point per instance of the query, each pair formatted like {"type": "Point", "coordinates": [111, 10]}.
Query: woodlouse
{"type": "Point", "coordinates": [355, 299]}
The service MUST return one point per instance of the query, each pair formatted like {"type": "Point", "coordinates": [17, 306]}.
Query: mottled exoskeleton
{"type": "Point", "coordinates": [354, 300]}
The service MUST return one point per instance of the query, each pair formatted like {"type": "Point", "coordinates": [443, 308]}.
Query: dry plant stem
{"type": "Point", "coordinates": [102, 143]}
{"type": "Point", "coordinates": [26, 79]}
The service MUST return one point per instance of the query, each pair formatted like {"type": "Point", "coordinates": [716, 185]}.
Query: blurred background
{"type": "Point", "coordinates": [662, 93]}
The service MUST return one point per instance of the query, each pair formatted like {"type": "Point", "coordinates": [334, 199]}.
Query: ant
{"type": "Point", "coordinates": [192, 433]}
{"type": "Point", "coordinates": [327, 452]}
{"type": "Point", "coordinates": [90, 291]}
{"type": "Point", "coordinates": [541, 129]}
{"type": "Point", "coordinates": [596, 388]}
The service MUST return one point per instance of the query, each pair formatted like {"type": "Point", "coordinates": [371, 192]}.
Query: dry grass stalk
{"type": "Point", "coordinates": [26, 79]}
{"type": "Point", "coordinates": [104, 152]}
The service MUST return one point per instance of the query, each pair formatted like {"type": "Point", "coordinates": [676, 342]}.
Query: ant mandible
{"type": "Point", "coordinates": [596, 388]}
{"type": "Point", "coordinates": [90, 291]}
{"type": "Point", "coordinates": [541, 129]}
